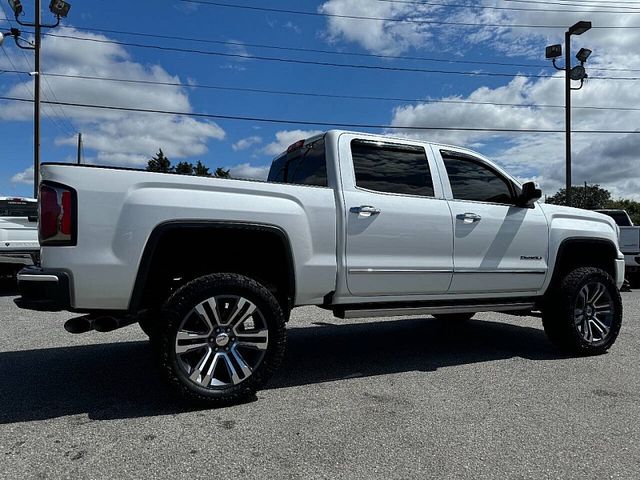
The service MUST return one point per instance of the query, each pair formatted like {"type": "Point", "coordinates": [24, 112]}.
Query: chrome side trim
{"type": "Point", "coordinates": [537, 271]}
{"type": "Point", "coordinates": [396, 270]}
{"type": "Point", "coordinates": [392, 312]}
{"type": "Point", "coordinates": [26, 277]}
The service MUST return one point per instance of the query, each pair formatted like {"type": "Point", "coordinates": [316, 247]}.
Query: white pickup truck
{"type": "Point", "coordinates": [18, 234]}
{"type": "Point", "coordinates": [363, 225]}
{"type": "Point", "coordinates": [629, 241]}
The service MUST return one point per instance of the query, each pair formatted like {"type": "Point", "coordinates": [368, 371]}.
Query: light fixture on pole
{"type": "Point", "coordinates": [60, 9]}
{"type": "Point", "coordinates": [577, 73]}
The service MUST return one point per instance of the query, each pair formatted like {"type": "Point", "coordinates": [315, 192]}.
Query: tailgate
{"type": "Point", "coordinates": [630, 240]}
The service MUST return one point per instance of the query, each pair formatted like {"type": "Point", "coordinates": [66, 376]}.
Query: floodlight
{"type": "Point", "coordinates": [2, 35]}
{"type": "Point", "coordinates": [577, 73]}
{"type": "Point", "coordinates": [579, 28]}
{"type": "Point", "coordinates": [16, 6]}
{"type": "Point", "coordinates": [553, 51]}
{"type": "Point", "coordinates": [583, 54]}
{"type": "Point", "coordinates": [59, 8]}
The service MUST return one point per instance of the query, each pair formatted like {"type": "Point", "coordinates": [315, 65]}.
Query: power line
{"type": "Point", "coordinates": [320, 123]}
{"type": "Point", "coordinates": [324, 64]}
{"type": "Point", "coordinates": [317, 94]}
{"type": "Point", "coordinates": [59, 123]}
{"type": "Point", "coordinates": [386, 19]}
{"type": "Point", "coordinates": [489, 7]}
{"type": "Point", "coordinates": [313, 50]}
{"type": "Point", "coordinates": [584, 3]}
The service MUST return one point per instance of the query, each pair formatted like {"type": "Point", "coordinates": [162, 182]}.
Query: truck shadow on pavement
{"type": "Point", "coordinates": [119, 380]}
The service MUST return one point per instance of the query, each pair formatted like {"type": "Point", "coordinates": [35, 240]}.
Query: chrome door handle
{"type": "Point", "coordinates": [365, 210]}
{"type": "Point", "coordinates": [469, 217]}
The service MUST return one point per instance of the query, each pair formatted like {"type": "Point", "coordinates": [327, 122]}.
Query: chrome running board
{"type": "Point", "coordinates": [432, 310]}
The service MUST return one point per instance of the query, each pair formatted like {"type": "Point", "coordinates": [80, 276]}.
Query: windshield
{"type": "Point", "coordinates": [16, 207]}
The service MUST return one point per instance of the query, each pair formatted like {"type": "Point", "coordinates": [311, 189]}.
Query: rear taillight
{"type": "Point", "coordinates": [57, 222]}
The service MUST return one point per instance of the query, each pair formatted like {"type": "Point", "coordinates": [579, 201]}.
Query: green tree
{"type": "Point", "coordinates": [588, 197]}
{"type": "Point", "coordinates": [160, 163]}
{"type": "Point", "coordinates": [184, 168]}
{"type": "Point", "coordinates": [201, 170]}
{"type": "Point", "coordinates": [222, 173]}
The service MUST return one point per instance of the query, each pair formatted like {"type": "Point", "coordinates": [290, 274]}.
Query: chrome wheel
{"type": "Point", "coordinates": [221, 341]}
{"type": "Point", "coordinates": [594, 312]}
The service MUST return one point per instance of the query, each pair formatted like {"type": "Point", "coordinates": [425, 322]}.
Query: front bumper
{"type": "Point", "coordinates": [619, 272]}
{"type": "Point", "coordinates": [43, 289]}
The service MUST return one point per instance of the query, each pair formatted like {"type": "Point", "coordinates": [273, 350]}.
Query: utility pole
{"type": "Point", "coordinates": [36, 104]}
{"type": "Point", "coordinates": [567, 114]}
{"type": "Point", "coordinates": [79, 148]}
{"type": "Point", "coordinates": [59, 8]}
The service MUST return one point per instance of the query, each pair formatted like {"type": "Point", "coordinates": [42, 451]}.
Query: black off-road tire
{"type": "Point", "coordinates": [182, 301]}
{"type": "Point", "coordinates": [558, 312]}
{"type": "Point", "coordinates": [454, 317]}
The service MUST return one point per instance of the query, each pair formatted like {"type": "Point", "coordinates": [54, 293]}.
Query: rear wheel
{"type": "Point", "coordinates": [584, 316]}
{"type": "Point", "coordinates": [221, 337]}
{"type": "Point", "coordinates": [454, 317]}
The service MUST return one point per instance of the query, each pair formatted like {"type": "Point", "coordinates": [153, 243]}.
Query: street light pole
{"type": "Point", "coordinates": [567, 108]}
{"type": "Point", "coordinates": [570, 73]}
{"type": "Point", "coordinates": [36, 105]}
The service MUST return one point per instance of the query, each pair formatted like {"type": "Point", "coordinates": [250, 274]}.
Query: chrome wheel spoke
{"type": "Point", "coordinates": [235, 379]}
{"type": "Point", "coordinates": [244, 309]}
{"type": "Point", "coordinates": [257, 339]}
{"type": "Point", "coordinates": [599, 290]}
{"type": "Point", "coordinates": [601, 327]}
{"type": "Point", "coordinates": [189, 341]}
{"type": "Point", "coordinates": [246, 370]}
{"type": "Point", "coordinates": [202, 312]}
{"type": "Point", "coordinates": [196, 374]}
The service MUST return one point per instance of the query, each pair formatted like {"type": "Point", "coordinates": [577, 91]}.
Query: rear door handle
{"type": "Point", "coordinates": [469, 217]}
{"type": "Point", "coordinates": [365, 210]}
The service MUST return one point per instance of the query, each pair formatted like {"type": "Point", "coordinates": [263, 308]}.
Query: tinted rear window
{"type": "Point", "coordinates": [620, 218]}
{"type": "Point", "coordinates": [391, 168]}
{"type": "Point", "coordinates": [18, 208]}
{"type": "Point", "coordinates": [303, 166]}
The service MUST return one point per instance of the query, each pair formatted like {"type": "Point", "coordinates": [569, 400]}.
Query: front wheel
{"type": "Point", "coordinates": [222, 337]}
{"type": "Point", "coordinates": [584, 316]}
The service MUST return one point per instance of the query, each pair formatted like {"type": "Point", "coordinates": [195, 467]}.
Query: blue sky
{"type": "Point", "coordinates": [247, 147]}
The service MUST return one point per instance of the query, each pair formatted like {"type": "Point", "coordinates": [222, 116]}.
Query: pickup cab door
{"type": "Point", "coordinates": [399, 233]}
{"type": "Point", "coordinates": [498, 246]}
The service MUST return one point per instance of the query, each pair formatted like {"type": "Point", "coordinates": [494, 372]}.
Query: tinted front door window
{"type": "Point", "coordinates": [471, 180]}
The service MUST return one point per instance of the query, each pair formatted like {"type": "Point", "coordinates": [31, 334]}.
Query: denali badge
{"type": "Point", "coordinates": [530, 257]}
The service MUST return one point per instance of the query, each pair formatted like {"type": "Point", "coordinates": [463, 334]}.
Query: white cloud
{"type": "Point", "coordinates": [247, 171]}
{"type": "Point", "coordinates": [245, 143]}
{"type": "Point", "coordinates": [284, 138]}
{"type": "Point", "coordinates": [387, 37]}
{"type": "Point", "coordinates": [24, 177]}
{"type": "Point", "coordinates": [117, 137]}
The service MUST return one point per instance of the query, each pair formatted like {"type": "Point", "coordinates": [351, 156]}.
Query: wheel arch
{"type": "Point", "coordinates": [230, 235]}
{"type": "Point", "coordinates": [583, 252]}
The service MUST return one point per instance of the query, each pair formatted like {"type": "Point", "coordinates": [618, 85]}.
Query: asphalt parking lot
{"type": "Point", "coordinates": [390, 398]}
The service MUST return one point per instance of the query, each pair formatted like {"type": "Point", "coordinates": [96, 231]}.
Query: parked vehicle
{"type": "Point", "coordinates": [629, 241]}
{"type": "Point", "coordinates": [18, 234]}
{"type": "Point", "coordinates": [363, 225]}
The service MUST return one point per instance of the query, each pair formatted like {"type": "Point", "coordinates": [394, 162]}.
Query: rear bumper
{"type": "Point", "coordinates": [19, 257]}
{"type": "Point", "coordinates": [44, 290]}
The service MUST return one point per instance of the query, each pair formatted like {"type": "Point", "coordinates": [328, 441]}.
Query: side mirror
{"type": "Point", "coordinates": [530, 194]}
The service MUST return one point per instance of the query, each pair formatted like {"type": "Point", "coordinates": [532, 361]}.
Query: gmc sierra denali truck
{"type": "Point", "coordinates": [360, 224]}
